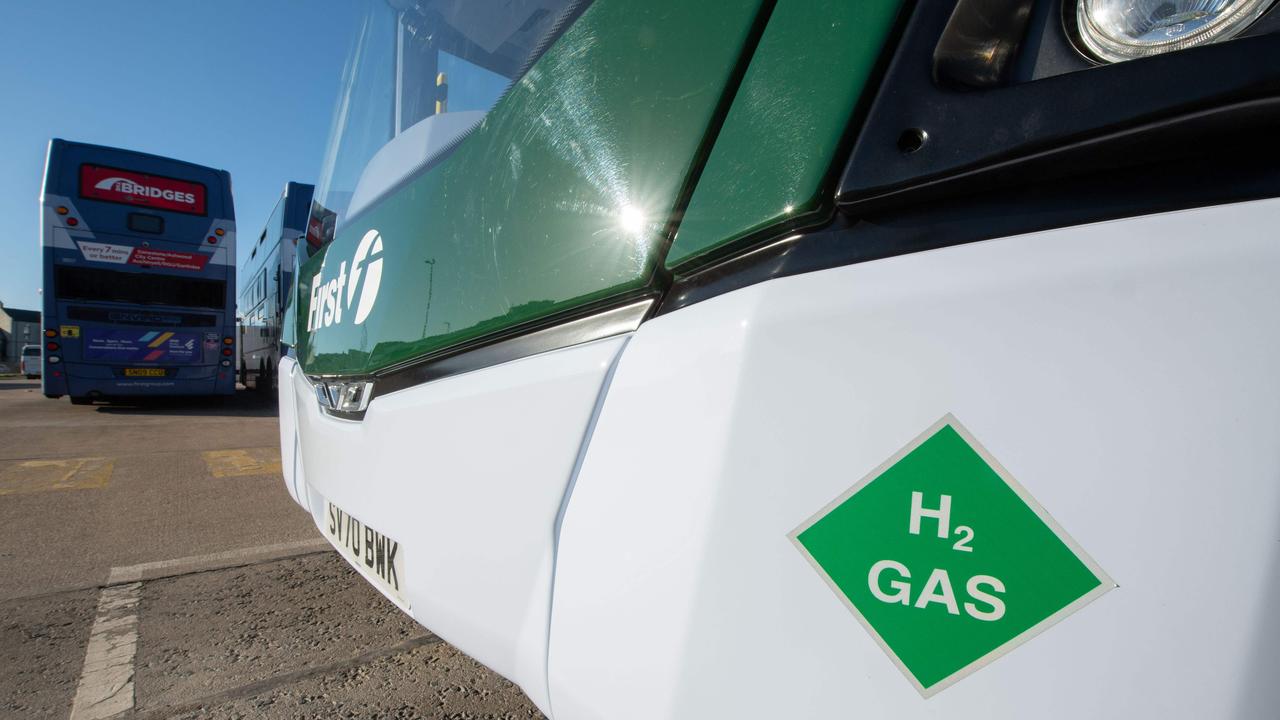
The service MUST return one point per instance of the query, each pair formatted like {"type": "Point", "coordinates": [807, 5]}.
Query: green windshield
{"type": "Point", "coordinates": [457, 207]}
{"type": "Point", "coordinates": [499, 164]}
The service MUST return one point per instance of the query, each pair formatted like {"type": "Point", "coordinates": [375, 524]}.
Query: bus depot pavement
{"type": "Point", "coordinates": [152, 565]}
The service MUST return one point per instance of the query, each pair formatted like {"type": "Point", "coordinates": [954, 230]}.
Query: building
{"type": "Point", "coordinates": [17, 328]}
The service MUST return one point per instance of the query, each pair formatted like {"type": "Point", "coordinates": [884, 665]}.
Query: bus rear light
{"type": "Point", "coordinates": [51, 346]}
{"type": "Point", "coordinates": [226, 363]}
{"type": "Point", "coordinates": [73, 222]}
{"type": "Point", "coordinates": [226, 351]}
{"type": "Point", "coordinates": [227, 340]}
{"type": "Point", "coordinates": [51, 333]}
{"type": "Point", "coordinates": [54, 359]}
{"type": "Point", "coordinates": [57, 373]}
{"type": "Point", "coordinates": [62, 210]}
{"type": "Point", "coordinates": [211, 239]}
{"type": "Point", "coordinates": [219, 232]}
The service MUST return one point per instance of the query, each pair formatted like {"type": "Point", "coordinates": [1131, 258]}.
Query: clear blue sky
{"type": "Point", "coordinates": [243, 85]}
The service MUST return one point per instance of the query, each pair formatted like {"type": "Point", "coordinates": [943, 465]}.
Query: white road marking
{"type": "Point", "coordinates": [106, 682]}
{"type": "Point", "coordinates": [213, 561]}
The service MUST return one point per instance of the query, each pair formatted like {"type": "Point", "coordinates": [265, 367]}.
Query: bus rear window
{"type": "Point", "coordinates": [92, 284]}
{"type": "Point", "coordinates": [144, 223]}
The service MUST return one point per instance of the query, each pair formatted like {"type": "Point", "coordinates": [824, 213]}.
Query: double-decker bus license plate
{"type": "Point", "coordinates": [379, 558]}
{"type": "Point", "coordinates": [144, 372]}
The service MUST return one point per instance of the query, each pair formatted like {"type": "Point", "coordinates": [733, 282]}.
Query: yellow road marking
{"type": "Point", "coordinates": [239, 463]}
{"type": "Point", "coordinates": [33, 476]}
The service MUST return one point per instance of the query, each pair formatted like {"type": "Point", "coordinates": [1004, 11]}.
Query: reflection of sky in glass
{"type": "Point", "coordinates": [572, 126]}
{"type": "Point", "coordinates": [363, 118]}
{"type": "Point", "coordinates": [471, 87]}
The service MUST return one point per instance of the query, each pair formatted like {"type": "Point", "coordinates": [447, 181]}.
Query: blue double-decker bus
{"type": "Point", "coordinates": [267, 281]}
{"type": "Point", "coordinates": [139, 275]}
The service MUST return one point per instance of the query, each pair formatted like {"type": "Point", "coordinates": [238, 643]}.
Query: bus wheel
{"type": "Point", "coordinates": [80, 400]}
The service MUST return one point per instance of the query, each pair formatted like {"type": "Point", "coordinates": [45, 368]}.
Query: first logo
{"type": "Point", "coordinates": [329, 299]}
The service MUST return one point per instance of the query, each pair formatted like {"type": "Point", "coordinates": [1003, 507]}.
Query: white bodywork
{"type": "Point", "coordinates": [290, 463]}
{"type": "Point", "coordinates": [1124, 372]}
{"type": "Point", "coordinates": [468, 473]}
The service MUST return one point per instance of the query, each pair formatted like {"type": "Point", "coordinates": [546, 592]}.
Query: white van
{"type": "Point", "coordinates": [30, 365]}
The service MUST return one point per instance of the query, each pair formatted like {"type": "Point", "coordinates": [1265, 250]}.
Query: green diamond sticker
{"type": "Point", "coordinates": [946, 560]}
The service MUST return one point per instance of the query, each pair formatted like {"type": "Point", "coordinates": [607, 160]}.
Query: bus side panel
{"type": "Point", "coordinates": [53, 233]}
{"type": "Point", "coordinates": [1124, 373]}
{"type": "Point", "coordinates": [52, 385]}
{"type": "Point", "coordinates": [226, 254]}
{"type": "Point", "coordinates": [289, 428]}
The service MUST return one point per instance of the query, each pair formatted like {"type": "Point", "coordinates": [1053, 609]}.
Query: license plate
{"type": "Point", "coordinates": [144, 372]}
{"type": "Point", "coordinates": [379, 558]}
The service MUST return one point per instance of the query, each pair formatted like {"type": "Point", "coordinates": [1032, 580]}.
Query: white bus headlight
{"type": "Point", "coordinates": [1115, 30]}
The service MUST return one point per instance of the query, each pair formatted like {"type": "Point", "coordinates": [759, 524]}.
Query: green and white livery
{"type": "Point", "coordinates": [807, 359]}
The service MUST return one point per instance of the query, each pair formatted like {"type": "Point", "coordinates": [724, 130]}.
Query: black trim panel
{"type": "Point", "coordinates": [969, 131]}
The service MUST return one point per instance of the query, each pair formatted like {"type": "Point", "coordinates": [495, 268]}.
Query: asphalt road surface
{"type": "Point", "coordinates": [152, 565]}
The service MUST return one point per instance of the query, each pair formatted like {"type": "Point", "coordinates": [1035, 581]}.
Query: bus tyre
{"type": "Point", "coordinates": [76, 400]}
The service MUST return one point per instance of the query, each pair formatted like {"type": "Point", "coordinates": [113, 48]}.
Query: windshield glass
{"type": "Point", "coordinates": [421, 75]}
{"type": "Point", "coordinates": [31, 350]}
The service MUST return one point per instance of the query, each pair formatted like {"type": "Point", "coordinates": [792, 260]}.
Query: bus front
{"type": "Point", "coordinates": [139, 275]}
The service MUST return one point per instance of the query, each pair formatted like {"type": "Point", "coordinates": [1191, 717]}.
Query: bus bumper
{"type": "Point", "coordinates": [90, 380]}
{"type": "Point", "coordinates": [468, 475]}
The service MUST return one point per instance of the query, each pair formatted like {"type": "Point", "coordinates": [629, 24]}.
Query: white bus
{"type": "Point", "coordinates": [808, 360]}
